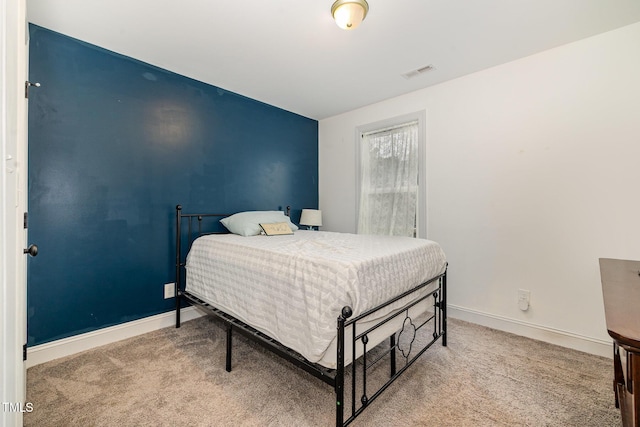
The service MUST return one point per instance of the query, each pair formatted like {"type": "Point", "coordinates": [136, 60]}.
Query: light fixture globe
{"type": "Point", "coordinates": [348, 14]}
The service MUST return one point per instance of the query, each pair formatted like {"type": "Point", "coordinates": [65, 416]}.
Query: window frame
{"type": "Point", "coordinates": [421, 118]}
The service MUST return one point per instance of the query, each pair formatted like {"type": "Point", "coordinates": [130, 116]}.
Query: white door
{"type": "Point", "coordinates": [13, 175]}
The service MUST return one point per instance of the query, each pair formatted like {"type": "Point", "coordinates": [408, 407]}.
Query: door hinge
{"type": "Point", "coordinates": [26, 220]}
{"type": "Point", "coordinates": [26, 87]}
{"type": "Point", "coordinates": [24, 352]}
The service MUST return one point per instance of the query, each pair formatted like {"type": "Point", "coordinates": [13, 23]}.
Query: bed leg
{"type": "Point", "coordinates": [178, 300]}
{"type": "Point", "coordinates": [443, 307]}
{"type": "Point", "coordinates": [229, 345]}
{"type": "Point", "coordinates": [177, 306]}
{"type": "Point", "coordinates": [177, 318]}
{"type": "Point", "coordinates": [392, 343]}
{"type": "Point", "coordinates": [339, 382]}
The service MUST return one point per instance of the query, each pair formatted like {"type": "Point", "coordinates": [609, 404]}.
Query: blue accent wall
{"type": "Point", "coordinates": [114, 145]}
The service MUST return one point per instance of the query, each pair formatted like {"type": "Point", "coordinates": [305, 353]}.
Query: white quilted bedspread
{"type": "Point", "coordinates": [293, 287]}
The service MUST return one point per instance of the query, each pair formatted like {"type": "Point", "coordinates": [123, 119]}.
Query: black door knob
{"type": "Point", "coordinates": [31, 250]}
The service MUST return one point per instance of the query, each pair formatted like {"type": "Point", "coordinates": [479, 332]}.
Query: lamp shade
{"type": "Point", "coordinates": [348, 14]}
{"type": "Point", "coordinates": [311, 217]}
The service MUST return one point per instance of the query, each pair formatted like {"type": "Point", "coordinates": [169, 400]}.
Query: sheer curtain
{"type": "Point", "coordinates": [389, 181]}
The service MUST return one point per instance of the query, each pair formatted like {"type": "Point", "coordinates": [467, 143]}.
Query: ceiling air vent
{"type": "Point", "coordinates": [418, 71]}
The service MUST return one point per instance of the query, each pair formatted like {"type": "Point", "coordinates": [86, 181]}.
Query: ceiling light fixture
{"type": "Point", "coordinates": [348, 14]}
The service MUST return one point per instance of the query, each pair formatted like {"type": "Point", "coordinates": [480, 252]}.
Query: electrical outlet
{"type": "Point", "coordinates": [524, 298]}
{"type": "Point", "coordinates": [169, 290]}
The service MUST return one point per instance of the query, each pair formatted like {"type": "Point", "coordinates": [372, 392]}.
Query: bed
{"type": "Point", "coordinates": [327, 302]}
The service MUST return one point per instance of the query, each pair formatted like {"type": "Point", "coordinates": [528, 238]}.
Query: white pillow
{"type": "Point", "coordinates": [248, 223]}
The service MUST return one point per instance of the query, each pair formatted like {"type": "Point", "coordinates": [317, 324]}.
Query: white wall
{"type": "Point", "coordinates": [533, 174]}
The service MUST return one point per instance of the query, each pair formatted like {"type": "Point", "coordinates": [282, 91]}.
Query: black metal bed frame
{"type": "Point", "coordinates": [334, 377]}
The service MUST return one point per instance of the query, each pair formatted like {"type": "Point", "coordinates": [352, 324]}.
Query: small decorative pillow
{"type": "Point", "coordinates": [248, 223]}
{"type": "Point", "coordinates": [276, 228]}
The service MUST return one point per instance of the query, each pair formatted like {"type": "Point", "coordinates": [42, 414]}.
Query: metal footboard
{"type": "Point", "coordinates": [361, 393]}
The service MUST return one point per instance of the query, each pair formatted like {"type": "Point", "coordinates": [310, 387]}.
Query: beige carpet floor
{"type": "Point", "coordinates": [176, 377]}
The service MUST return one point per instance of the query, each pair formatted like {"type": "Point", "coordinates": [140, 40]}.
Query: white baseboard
{"type": "Point", "coordinates": [67, 346]}
{"type": "Point", "coordinates": [541, 333]}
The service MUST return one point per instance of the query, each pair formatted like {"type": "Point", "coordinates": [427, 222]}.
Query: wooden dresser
{"type": "Point", "coordinates": [621, 292]}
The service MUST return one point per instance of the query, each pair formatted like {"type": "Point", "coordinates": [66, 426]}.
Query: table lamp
{"type": "Point", "coordinates": [311, 218]}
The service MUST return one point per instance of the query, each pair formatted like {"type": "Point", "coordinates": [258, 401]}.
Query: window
{"type": "Point", "coordinates": [391, 177]}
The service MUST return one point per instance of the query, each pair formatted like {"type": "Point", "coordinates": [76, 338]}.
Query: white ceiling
{"type": "Point", "coordinates": [290, 53]}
